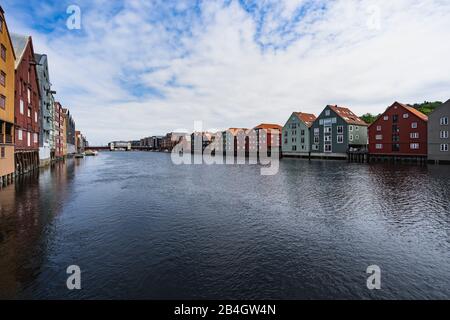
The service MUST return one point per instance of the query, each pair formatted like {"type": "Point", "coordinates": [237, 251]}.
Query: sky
{"type": "Point", "coordinates": [137, 68]}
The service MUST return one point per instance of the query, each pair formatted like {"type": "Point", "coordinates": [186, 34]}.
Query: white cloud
{"type": "Point", "coordinates": [210, 67]}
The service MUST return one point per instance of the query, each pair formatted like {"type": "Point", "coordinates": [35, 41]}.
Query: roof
{"type": "Point", "coordinates": [307, 118]}
{"type": "Point", "coordinates": [347, 115]}
{"type": "Point", "coordinates": [235, 131]}
{"type": "Point", "coordinates": [20, 44]}
{"type": "Point", "coordinates": [417, 113]}
{"type": "Point", "coordinates": [269, 126]}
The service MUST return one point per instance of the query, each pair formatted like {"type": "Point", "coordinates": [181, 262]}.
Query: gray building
{"type": "Point", "coordinates": [438, 134]}
{"type": "Point", "coordinates": [296, 135]}
{"type": "Point", "coordinates": [70, 133]}
{"type": "Point", "coordinates": [337, 131]}
{"type": "Point", "coordinates": [46, 114]}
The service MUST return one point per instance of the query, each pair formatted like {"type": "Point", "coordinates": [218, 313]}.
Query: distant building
{"type": "Point", "coordinates": [59, 119]}
{"type": "Point", "coordinates": [265, 137]}
{"type": "Point", "coordinates": [235, 141]}
{"type": "Point", "coordinates": [401, 131]}
{"type": "Point", "coordinates": [46, 116]}
{"type": "Point", "coordinates": [80, 142]}
{"type": "Point", "coordinates": [120, 146]}
{"type": "Point", "coordinates": [70, 132]}
{"type": "Point", "coordinates": [27, 102]}
{"type": "Point", "coordinates": [438, 134]}
{"type": "Point", "coordinates": [200, 141]}
{"type": "Point", "coordinates": [296, 138]}
{"type": "Point", "coordinates": [170, 140]}
{"type": "Point", "coordinates": [337, 131]}
{"type": "Point", "coordinates": [7, 105]}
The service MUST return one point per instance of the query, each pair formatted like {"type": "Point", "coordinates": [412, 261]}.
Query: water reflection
{"type": "Point", "coordinates": [27, 210]}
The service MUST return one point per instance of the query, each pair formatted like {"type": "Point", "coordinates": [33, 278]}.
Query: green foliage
{"type": "Point", "coordinates": [369, 118]}
{"type": "Point", "coordinates": [427, 107]}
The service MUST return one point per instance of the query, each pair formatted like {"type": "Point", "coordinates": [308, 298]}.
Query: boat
{"type": "Point", "coordinates": [79, 155]}
{"type": "Point", "coordinates": [91, 153]}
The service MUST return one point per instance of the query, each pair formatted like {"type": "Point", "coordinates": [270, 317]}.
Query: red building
{"type": "Point", "coordinates": [59, 130]}
{"type": "Point", "coordinates": [27, 97]}
{"type": "Point", "coordinates": [267, 133]}
{"type": "Point", "coordinates": [400, 131]}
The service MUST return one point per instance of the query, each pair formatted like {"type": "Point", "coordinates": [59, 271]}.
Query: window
{"type": "Point", "coordinates": [29, 95]}
{"type": "Point", "coordinates": [356, 128]}
{"type": "Point", "coordinates": [2, 101]}
{"type": "Point", "coordinates": [29, 112]}
{"type": "Point", "coordinates": [405, 115]}
{"type": "Point", "coordinates": [395, 118]}
{"type": "Point", "coordinates": [327, 138]}
{"type": "Point", "coordinates": [21, 106]}
{"type": "Point", "coordinates": [3, 53]}
{"type": "Point", "coordinates": [35, 116]}
{"type": "Point", "coordinates": [350, 128]}
{"type": "Point", "coordinates": [294, 126]}
{"type": "Point", "coordinates": [2, 78]}
{"type": "Point", "coordinates": [302, 140]}
{"type": "Point", "coordinates": [315, 147]}
{"type": "Point", "coordinates": [444, 134]}
{"type": "Point", "coordinates": [396, 147]}
{"type": "Point", "coordinates": [20, 134]}
{"type": "Point", "coordinates": [327, 148]}
{"type": "Point", "coordinates": [444, 147]}
{"type": "Point", "coordinates": [340, 129]}
{"type": "Point", "coordinates": [414, 125]}
{"type": "Point", "coordinates": [316, 131]}
{"type": "Point", "coordinates": [386, 118]}
{"type": "Point", "coordinates": [327, 113]}
{"type": "Point", "coordinates": [29, 139]}
{"type": "Point", "coordinates": [294, 148]}
{"type": "Point", "coordinates": [379, 146]}
{"type": "Point", "coordinates": [351, 137]}
{"type": "Point", "coordinates": [302, 132]}
{"type": "Point", "coordinates": [35, 138]}
{"type": "Point", "coordinates": [444, 121]}
{"type": "Point", "coordinates": [379, 137]}
{"type": "Point", "coordinates": [414, 135]}
{"type": "Point", "coordinates": [414, 146]}
{"type": "Point", "coordinates": [316, 140]}
{"type": "Point", "coordinates": [357, 137]}
{"type": "Point", "coordinates": [1, 24]}
{"type": "Point", "coordinates": [327, 130]}
{"type": "Point", "coordinates": [340, 139]}
{"type": "Point", "coordinates": [378, 128]}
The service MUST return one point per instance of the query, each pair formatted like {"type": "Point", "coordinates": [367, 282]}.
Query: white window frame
{"type": "Point", "coordinates": [378, 128]}
{"type": "Point", "coordinates": [327, 130]}
{"type": "Point", "coordinates": [379, 146]}
{"type": "Point", "coordinates": [35, 117]}
{"type": "Point", "coordinates": [386, 118]}
{"type": "Point", "coordinates": [340, 138]}
{"type": "Point", "coordinates": [414, 125]}
{"type": "Point", "coordinates": [21, 104]}
{"type": "Point", "coordinates": [414, 135]}
{"type": "Point", "coordinates": [444, 121]}
{"type": "Point", "coordinates": [29, 139]}
{"type": "Point", "coordinates": [350, 138]}
{"type": "Point", "coordinates": [327, 113]}
{"type": "Point", "coordinates": [350, 128]}
{"type": "Point", "coordinates": [20, 134]}
{"type": "Point", "coordinates": [316, 140]}
{"type": "Point", "coordinates": [405, 115]}
{"type": "Point", "coordinates": [444, 134]}
{"type": "Point", "coordinates": [379, 137]}
{"type": "Point", "coordinates": [340, 129]}
{"type": "Point", "coordinates": [414, 146]}
{"type": "Point", "coordinates": [444, 147]}
{"type": "Point", "coordinates": [328, 146]}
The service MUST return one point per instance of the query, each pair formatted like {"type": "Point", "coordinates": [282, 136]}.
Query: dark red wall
{"type": "Point", "coordinates": [26, 77]}
{"type": "Point", "coordinates": [405, 130]}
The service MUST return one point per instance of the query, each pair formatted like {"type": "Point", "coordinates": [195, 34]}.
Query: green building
{"type": "Point", "coordinates": [337, 131]}
{"type": "Point", "coordinates": [296, 135]}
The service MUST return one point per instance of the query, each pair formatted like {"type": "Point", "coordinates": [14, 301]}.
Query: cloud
{"type": "Point", "coordinates": [139, 68]}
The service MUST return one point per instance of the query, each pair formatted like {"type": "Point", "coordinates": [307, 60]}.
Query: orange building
{"type": "Point", "coordinates": [7, 78]}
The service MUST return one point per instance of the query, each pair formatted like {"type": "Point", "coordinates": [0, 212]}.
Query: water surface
{"type": "Point", "coordinates": [140, 227]}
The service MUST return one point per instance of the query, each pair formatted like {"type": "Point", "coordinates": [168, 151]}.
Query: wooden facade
{"type": "Point", "coordinates": [400, 132]}
{"type": "Point", "coordinates": [27, 107]}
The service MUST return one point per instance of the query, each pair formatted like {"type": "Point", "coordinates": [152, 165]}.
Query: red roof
{"type": "Point", "coordinates": [307, 118]}
{"type": "Point", "coordinates": [269, 126]}
{"type": "Point", "coordinates": [417, 113]}
{"type": "Point", "coordinates": [348, 116]}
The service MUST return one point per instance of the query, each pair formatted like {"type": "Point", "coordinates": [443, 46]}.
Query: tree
{"type": "Point", "coordinates": [369, 118]}
{"type": "Point", "coordinates": [427, 107]}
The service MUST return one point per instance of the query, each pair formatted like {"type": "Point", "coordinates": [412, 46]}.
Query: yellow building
{"type": "Point", "coordinates": [7, 62]}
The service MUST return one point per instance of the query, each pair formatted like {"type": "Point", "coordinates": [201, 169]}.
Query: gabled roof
{"type": "Point", "coordinates": [235, 131]}
{"type": "Point", "coordinates": [347, 115]}
{"type": "Point", "coordinates": [2, 13]}
{"type": "Point", "coordinates": [412, 110]}
{"type": "Point", "coordinates": [20, 44]}
{"type": "Point", "coordinates": [306, 118]}
{"type": "Point", "coordinates": [269, 126]}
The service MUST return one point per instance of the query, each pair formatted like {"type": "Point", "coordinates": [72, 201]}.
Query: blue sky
{"type": "Point", "coordinates": [138, 68]}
